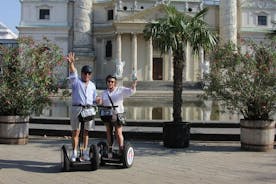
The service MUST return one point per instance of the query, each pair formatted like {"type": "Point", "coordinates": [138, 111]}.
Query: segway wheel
{"type": "Point", "coordinates": [103, 151]}
{"type": "Point", "coordinates": [128, 156]}
{"type": "Point", "coordinates": [94, 157]}
{"type": "Point", "coordinates": [65, 162]}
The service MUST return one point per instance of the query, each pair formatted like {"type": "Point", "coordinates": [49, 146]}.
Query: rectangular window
{"type": "Point", "coordinates": [44, 14]}
{"type": "Point", "coordinates": [262, 20]}
{"type": "Point", "coordinates": [110, 15]}
{"type": "Point", "coordinates": [108, 49]}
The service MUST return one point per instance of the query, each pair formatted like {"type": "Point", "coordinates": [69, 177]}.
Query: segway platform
{"type": "Point", "coordinates": [79, 164]}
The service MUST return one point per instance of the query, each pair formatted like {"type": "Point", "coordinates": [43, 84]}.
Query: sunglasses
{"type": "Point", "coordinates": [88, 73]}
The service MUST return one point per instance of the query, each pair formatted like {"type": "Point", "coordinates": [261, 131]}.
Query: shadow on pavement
{"type": "Point", "coordinates": [30, 166]}
{"type": "Point", "coordinates": [150, 148]}
{"type": "Point", "coordinates": [157, 148]}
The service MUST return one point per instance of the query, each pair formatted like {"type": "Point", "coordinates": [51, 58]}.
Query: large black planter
{"type": "Point", "coordinates": [176, 135]}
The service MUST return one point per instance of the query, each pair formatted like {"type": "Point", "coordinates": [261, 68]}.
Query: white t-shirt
{"type": "Point", "coordinates": [117, 96]}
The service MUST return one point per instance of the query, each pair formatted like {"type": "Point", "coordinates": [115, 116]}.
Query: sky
{"type": "Point", "coordinates": [10, 14]}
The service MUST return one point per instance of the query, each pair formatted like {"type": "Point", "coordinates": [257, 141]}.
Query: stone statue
{"type": "Point", "coordinates": [201, 5]}
{"type": "Point", "coordinates": [119, 68]}
{"type": "Point", "coordinates": [120, 5]}
{"type": "Point", "coordinates": [205, 66]}
{"type": "Point", "coordinates": [186, 6]}
{"type": "Point", "coordinates": [134, 75]}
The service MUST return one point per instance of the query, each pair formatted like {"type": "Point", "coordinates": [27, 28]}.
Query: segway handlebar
{"type": "Point", "coordinates": [85, 106]}
{"type": "Point", "coordinates": [106, 107]}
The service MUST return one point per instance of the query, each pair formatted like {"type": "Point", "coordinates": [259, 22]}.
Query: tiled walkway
{"type": "Point", "coordinates": [38, 162]}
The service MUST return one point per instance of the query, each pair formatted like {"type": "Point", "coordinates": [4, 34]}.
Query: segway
{"type": "Point", "coordinates": [80, 164]}
{"type": "Point", "coordinates": [125, 158]}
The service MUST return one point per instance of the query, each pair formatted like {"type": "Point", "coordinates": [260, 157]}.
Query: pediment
{"type": "Point", "coordinates": [6, 33]}
{"type": "Point", "coordinates": [2, 26]}
{"type": "Point", "coordinates": [147, 15]}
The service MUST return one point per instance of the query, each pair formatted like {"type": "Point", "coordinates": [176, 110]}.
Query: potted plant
{"type": "Point", "coordinates": [27, 78]}
{"type": "Point", "coordinates": [174, 32]}
{"type": "Point", "coordinates": [244, 80]}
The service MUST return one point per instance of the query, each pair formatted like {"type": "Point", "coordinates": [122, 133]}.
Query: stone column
{"type": "Point", "coordinates": [201, 62]}
{"type": "Point", "coordinates": [119, 57]}
{"type": "Point", "coordinates": [228, 21]}
{"type": "Point", "coordinates": [82, 41]}
{"type": "Point", "coordinates": [149, 113]}
{"type": "Point", "coordinates": [118, 47]}
{"type": "Point", "coordinates": [102, 57]}
{"type": "Point", "coordinates": [134, 51]}
{"type": "Point", "coordinates": [134, 113]}
{"type": "Point", "coordinates": [149, 59]}
{"type": "Point", "coordinates": [82, 31]}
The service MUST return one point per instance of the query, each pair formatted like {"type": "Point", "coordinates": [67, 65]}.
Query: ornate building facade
{"type": "Point", "coordinates": [103, 32]}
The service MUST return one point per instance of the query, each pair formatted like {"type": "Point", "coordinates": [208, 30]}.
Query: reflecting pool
{"type": "Point", "coordinates": [155, 109]}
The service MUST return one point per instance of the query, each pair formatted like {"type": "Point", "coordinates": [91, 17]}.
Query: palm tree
{"type": "Point", "coordinates": [174, 32]}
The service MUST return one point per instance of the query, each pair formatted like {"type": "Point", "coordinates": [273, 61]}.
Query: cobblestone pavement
{"type": "Point", "coordinates": [38, 162]}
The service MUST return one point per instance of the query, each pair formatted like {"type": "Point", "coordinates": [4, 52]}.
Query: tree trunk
{"type": "Point", "coordinates": [178, 66]}
{"type": "Point", "coordinates": [176, 134]}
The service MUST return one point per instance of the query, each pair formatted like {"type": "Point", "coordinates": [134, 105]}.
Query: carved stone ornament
{"type": "Point", "coordinates": [260, 4]}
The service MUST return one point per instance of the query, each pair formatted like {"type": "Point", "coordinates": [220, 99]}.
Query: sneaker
{"type": "Point", "coordinates": [109, 154]}
{"type": "Point", "coordinates": [74, 156]}
{"type": "Point", "coordinates": [86, 155]}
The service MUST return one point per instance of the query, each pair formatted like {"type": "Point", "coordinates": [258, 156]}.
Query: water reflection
{"type": "Point", "coordinates": [155, 109]}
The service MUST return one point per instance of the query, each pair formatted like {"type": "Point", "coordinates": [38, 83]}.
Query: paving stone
{"type": "Point", "coordinates": [202, 162]}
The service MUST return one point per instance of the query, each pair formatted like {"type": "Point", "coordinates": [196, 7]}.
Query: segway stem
{"type": "Point", "coordinates": [111, 135]}
{"type": "Point", "coordinates": [81, 141]}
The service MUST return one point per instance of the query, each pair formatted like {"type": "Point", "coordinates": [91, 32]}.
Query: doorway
{"type": "Point", "coordinates": [157, 69]}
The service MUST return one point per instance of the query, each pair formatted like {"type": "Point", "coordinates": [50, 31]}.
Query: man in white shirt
{"type": "Point", "coordinates": [83, 95]}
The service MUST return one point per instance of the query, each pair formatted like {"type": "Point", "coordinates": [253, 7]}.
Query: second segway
{"type": "Point", "coordinates": [113, 154]}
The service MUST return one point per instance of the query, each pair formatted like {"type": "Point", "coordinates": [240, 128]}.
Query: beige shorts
{"type": "Point", "coordinates": [74, 120]}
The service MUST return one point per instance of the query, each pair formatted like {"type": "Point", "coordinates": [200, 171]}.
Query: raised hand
{"type": "Point", "coordinates": [71, 57]}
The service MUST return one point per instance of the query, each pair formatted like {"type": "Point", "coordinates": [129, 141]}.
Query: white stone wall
{"type": "Point", "coordinates": [56, 28]}
{"type": "Point", "coordinates": [249, 12]}
{"type": "Point", "coordinates": [87, 36]}
{"type": "Point", "coordinates": [30, 13]}
{"type": "Point", "coordinates": [212, 17]}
